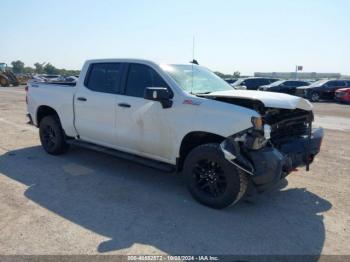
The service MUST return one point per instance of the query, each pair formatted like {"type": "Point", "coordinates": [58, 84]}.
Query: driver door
{"type": "Point", "coordinates": [143, 125]}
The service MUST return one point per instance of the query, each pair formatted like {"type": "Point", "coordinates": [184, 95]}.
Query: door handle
{"type": "Point", "coordinates": [82, 99]}
{"type": "Point", "coordinates": [124, 105]}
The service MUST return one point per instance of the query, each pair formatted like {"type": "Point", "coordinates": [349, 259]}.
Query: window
{"type": "Point", "coordinates": [104, 77]}
{"type": "Point", "coordinates": [335, 83]}
{"type": "Point", "coordinates": [294, 83]}
{"type": "Point", "coordinates": [261, 82]}
{"type": "Point", "coordinates": [249, 83]}
{"type": "Point", "coordinates": [142, 76]}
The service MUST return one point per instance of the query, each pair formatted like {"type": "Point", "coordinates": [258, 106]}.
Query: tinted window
{"type": "Point", "coordinates": [248, 83]}
{"type": "Point", "coordinates": [265, 81]}
{"type": "Point", "coordinates": [140, 77]}
{"type": "Point", "coordinates": [104, 77]}
{"type": "Point", "coordinates": [295, 83]}
{"type": "Point", "coordinates": [335, 83]}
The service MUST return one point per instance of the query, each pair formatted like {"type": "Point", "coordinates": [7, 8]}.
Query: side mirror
{"type": "Point", "coordinates": [160, 94]}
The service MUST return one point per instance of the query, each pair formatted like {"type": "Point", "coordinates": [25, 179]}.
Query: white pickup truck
{"type": "Point", "coordinates": [178, 117]}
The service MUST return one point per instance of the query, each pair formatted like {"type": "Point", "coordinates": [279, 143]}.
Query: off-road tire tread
{"type": "Point", "coordinates": [243, 178]}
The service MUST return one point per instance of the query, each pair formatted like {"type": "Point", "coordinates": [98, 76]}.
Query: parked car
{"type": "Point", "coordinates": [178, 117]}
{"type": "Point", "coordinates": [284, 86]}
{"type": "Point", "coordinates": [322, 89]}
{"type": "Point", "coordinates": [343, 95]}
{"type": "Point", "coordinates": [71, 79]}
{"type": "Point", "coordinates": [252, 83]}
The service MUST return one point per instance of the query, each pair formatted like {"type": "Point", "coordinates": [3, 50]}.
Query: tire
{"type": "Point", "coordinates": [52, 136]}
{"type": "Point", "coordinates": [4, 82]}
{"type": "Point", "coordinates": [314, 97]}
{"type": "Point", "coordinates": [211, 179]}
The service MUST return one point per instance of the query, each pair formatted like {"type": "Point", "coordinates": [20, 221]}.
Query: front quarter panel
{"type": "Point", "coordinates": [223, 118]}
{"type": "Point", "coordinates": [194, 114]}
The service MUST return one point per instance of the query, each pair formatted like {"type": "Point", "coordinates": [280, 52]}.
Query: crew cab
{"type": "Point", "coordinates": [178, 117]}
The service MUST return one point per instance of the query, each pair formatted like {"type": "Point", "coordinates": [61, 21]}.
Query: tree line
{"type": "Point", "coordinates": [18, 67]}
{"type": "Point", "coordinates": [236, 74]}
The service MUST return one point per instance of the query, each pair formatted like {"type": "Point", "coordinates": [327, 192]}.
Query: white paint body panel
{"type": "Point", "coordinates": [147, 129]}
{"type": "Point", "coordinates": [269, 99]}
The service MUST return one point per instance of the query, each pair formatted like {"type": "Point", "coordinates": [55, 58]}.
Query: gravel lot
{"type": "Point", "coordinates": [90, 203]}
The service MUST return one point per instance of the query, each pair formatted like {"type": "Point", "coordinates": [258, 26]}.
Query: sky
{"type": "Point", "coordinates": [248, 36]}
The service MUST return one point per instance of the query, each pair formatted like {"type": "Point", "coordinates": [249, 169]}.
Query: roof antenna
{"type": "Point", "coordinates": [194, 61]}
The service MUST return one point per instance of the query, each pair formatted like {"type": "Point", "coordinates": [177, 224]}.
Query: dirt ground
{"type": "Point", "coordinates": [86, 202]}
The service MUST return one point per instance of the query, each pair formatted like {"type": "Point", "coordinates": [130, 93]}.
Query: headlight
{"type": "Point", "coordinates": [257, 123]}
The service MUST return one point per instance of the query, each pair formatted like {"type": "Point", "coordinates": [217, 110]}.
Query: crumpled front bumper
{"type": "Point", "coordinates": [268, 165]}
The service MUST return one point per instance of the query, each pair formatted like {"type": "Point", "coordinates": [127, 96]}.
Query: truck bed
{"type": "Point", "coordinates": [57, 96]}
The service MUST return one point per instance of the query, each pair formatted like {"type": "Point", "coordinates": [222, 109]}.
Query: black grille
{"type": "Point", "coordinates": [288, 125]}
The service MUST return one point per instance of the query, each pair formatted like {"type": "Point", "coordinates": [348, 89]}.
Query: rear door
{"type": "Point", "coordinates": [95, 104]}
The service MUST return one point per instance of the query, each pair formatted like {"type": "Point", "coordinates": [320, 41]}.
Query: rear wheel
{"type": "Point", "coordinates": [211, 179]}
{"type": "Point", "coordinates": [315, 97]}
{"type": "Point", "coordinates": [52, 136]}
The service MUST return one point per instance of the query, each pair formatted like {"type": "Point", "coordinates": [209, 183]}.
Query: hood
{"type": "Point", "coordinates": [269, 99]}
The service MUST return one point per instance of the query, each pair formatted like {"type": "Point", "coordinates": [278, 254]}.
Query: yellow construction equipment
{"type": "Point", "coordinates": [7, 78]}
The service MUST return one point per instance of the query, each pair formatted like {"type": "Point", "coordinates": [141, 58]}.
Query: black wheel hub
{"type": "Point", "coordinates": [49, 136]}
{"type": "Point", "coordinates": [210, 178]}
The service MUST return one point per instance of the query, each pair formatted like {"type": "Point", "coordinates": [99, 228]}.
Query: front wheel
{"type": "Point", "coordinates": [315, 97]}
{"type": "Point", "coordinates": [52, 136]}
{"type": "Point", "coordinates": [211, 179]}
{"type": "Point", "coordinates": [4, 82]}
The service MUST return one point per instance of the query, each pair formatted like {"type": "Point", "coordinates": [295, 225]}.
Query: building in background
{"type": "Point", "coordinates": [299, 75]}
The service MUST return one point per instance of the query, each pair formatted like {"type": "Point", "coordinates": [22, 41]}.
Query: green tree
{"type": "Point", "coordinates": [28, 70]}
{"type": "Point", "coordinates": [17, 66]}
{"type": "Point", "coordinates": [50, 69]}
{"type": "Point", "coordinates": [39, 68]}
{"type": "Point", "coordinates": [236, 74]}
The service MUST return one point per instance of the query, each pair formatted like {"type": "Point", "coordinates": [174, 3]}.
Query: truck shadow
{"type": "Point", "coordinates": [132, 204]}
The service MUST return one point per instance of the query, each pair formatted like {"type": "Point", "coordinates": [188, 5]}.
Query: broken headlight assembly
{"type": "Point", "coordinates": [257, 137]}
{"type": "Point", "coordinates": [257, 123]}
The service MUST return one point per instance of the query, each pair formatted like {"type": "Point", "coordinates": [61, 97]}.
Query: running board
{"type": "Point", "coordinates": [140, 160]}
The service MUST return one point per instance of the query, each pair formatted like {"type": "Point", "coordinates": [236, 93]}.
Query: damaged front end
{"type": "Point", "coordinates": [281, 141]}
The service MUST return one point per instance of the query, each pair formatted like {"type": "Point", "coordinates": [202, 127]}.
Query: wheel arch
{"type": "Point", "coordinates": [192, 140]}
{"type": "Point", "coordinates": [43, 111]}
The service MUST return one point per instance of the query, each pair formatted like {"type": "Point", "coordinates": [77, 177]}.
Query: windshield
{"type": "Point", "coordinates": [238, 82]}
{"type": "Point", "coordinates": [277, 83]}
{"type": "Point", "coordinates": [318, 83]}
{"type": "Point", "coordinates": [196, 79]}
